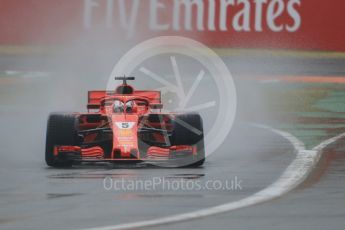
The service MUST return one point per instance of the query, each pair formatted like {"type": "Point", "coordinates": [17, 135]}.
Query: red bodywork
{"type": "Point", "coordinates": [119, 127]}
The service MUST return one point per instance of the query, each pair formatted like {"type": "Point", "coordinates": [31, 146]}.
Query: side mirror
{"type": "Point", "coordinates": [156, 106]}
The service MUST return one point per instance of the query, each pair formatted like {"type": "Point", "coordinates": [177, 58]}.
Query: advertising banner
{"type": "Point", "coordinates": [272, 24]}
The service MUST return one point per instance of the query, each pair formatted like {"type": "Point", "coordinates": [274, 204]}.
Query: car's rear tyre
{"type": "Point", "coordinates": [188, 130]}
{"type": "Point", "coordinates": [61, 130]}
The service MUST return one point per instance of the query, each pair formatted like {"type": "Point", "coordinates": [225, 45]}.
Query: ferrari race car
{"type": "Point", "coordinates": [125, 126]}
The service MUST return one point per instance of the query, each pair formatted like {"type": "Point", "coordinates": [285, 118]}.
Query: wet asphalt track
{"type": "Point", "coordinates": [33, 196]}
{"type": "Point", "coordinates": [318, 204]}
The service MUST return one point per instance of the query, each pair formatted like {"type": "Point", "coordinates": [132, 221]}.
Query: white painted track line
{"type": "Point", "coordinates": [293, 176]}
{"type": "Point", "coordinates": [324, 144]}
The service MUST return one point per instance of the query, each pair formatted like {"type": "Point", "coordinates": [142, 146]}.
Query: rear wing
{"type": "Point", "coordinates": [95, 97]}
{"type": "Point", "coordinates": [153, 96]}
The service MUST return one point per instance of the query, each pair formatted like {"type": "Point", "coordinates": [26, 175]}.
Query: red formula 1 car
{"type": "Point", "coordinates": [125, 125]}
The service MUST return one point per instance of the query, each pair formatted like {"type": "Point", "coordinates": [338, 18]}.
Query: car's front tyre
{"type": "Point", "coordinates": [61, 130]}
{"type": "Point", "coordinates": [188, 130]}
